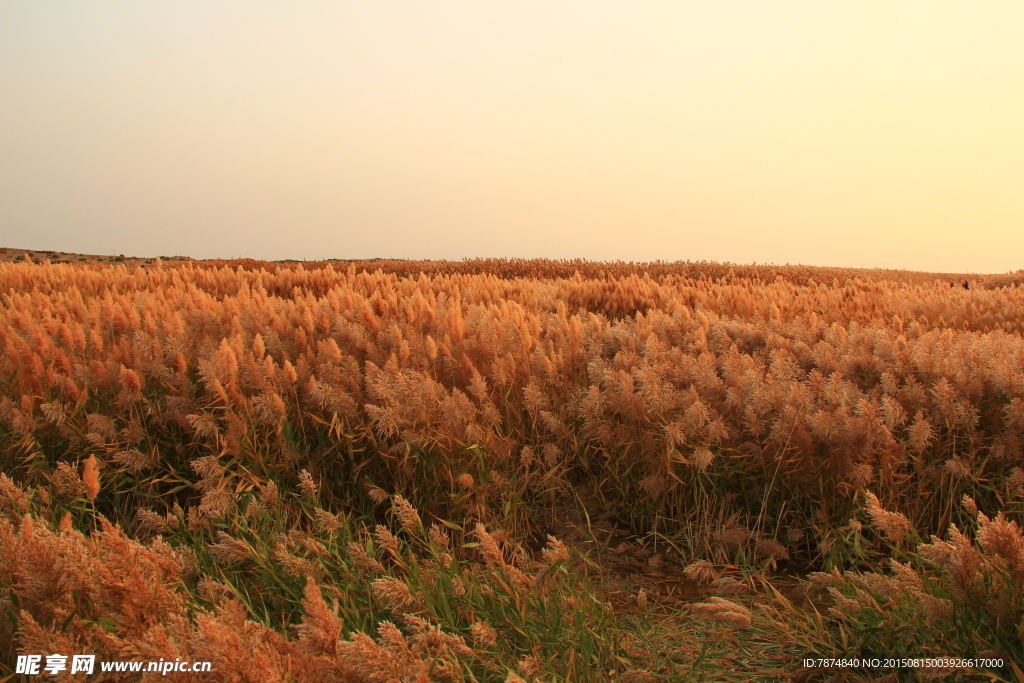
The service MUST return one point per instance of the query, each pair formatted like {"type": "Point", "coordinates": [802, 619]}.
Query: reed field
{"type": "Point", "coordinates": [512, 470]}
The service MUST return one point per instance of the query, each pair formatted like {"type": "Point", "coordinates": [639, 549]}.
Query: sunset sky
{"type": "Point", "coordinates": [886, 134]}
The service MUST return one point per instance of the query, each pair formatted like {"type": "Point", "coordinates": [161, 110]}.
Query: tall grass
{"type": "Point", "coordinates": [958, 598]}
{"type": "Point", "coordinates": [253, 417]}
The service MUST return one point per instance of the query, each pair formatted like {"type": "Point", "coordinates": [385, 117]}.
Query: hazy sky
{"type": "Point", "coordinates": [883, 134]}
